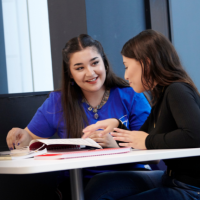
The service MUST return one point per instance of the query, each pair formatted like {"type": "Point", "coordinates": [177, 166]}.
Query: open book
{"type": "Point", "coordinates": [71, 148]}
{"type": "Point", "coordinates": [48, 149]}
{"type": "Point", "coordinates": [41, 146]}
{"type": "Point", "coordinates": [63, 144]}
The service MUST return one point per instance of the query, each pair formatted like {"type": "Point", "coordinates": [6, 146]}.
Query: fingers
{"type": "Point", "coordinates": [15, 136]}
{"type": "Point", "coordinates": [125, 144]}
{"type": "Point", "coordinates": [107, 126]}
{"type": "Point", "coordinates": [123, 136]}
{"type": "Point", "coordinates": [122, 132]}
{"type": "Point", "coordinates": [94, 127]}
{"type": "Point", "coordinates": [94, 134]}
{"type": "Point", "coordinates": [9, 139]}
{"type": "Point", "coordinates": [90, 131]}
{"type": "Point", "coordinates": [20, 140]}
{"type": "Point", "coordinates": [123, 139]}
{"type": "Point", "coordinates": [119, 130]}
{"type": "Point", "coordinates": [105, 131]}
{"type": "Point", "coordinates": [12, 137]}
{"type": "Point", "coordinates": [116, 134]}
{"type": "Point", "coordinates": [99, 140]}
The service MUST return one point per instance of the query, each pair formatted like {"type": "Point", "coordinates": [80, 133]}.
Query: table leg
{"type": "Point", "coordinates": [76, 184]}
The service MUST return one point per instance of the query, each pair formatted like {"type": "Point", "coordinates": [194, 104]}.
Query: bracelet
{"type": "Point", "coordinates": [121, 125]}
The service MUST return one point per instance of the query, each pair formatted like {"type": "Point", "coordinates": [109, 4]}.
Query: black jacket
{"type": "Point", "coordinates": [174, 123]}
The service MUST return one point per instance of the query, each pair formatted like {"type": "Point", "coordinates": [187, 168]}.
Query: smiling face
{"type": "Point", "coordinates": [133, 73]}
{"type": "Point", "coordinates": [88, 70]}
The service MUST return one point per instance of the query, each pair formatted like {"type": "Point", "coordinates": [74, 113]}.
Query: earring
{"type": "Point", "coordinates": [72, 82]}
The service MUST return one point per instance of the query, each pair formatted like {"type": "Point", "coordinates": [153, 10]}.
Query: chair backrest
{"type": "Point", "coordinates": [16, 110]}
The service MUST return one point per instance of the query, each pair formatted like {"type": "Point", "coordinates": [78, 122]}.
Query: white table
{"type": "Point", "coordinates": [30, 166]}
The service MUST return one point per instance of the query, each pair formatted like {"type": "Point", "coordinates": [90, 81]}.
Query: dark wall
{"type": "Point", "coordinates": [113, 24]}
{"type": "Point", "coordinates": [67, 19]}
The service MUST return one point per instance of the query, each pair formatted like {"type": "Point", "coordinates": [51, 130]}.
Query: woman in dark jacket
{"type": "Point", "coordinates": [152, 64]}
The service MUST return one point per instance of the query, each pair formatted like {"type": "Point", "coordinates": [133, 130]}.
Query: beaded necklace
{"type": "Point", "coordinates": [95, 109]}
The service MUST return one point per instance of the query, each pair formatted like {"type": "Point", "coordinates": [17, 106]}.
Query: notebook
{"type": "Point", "coordinates": [41, 146]}
{"type": "Point", "coordinates": [50, 149]}
{"type": "Point", "coordinates": [81, 153]}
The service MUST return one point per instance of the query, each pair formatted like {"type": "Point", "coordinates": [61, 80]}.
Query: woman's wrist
{"type": "Point", "coordinates": [121, 125]}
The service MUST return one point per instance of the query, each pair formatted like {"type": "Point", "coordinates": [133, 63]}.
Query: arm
{"type": "Point", "coordinates": [43, 123]}
{"type": "Point", "coordinates": [138, 110]}
{"type": "Point", "coordinates": [138, 116]}
{"type": "Point", "coordinates": [144, 127]}
{"type": "Point", "coordinates": [103, 136]}
{"type": "Point", "coordinates": [182, 103]}
{"type": "Point", "coordinates": [18, 137]}
{"type": "Point", "coordinates": [107, 126]}
{"type": "Point", "coordinates": [122, 126]}
{"type": "Point", "coordinates": [41, 126]}
{"type": "Point", "coordinates": [106, 141]}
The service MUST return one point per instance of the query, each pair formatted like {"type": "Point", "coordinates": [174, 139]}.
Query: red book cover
{"type": "Point", "coordinates": [82, 153]}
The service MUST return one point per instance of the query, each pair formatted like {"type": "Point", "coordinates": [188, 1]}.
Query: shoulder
{"type": "Point", "coordinates": [54, 96]}
{"type": "Point", "coordinates": [125, 91]}
{"type": "Point", "coordinates": [179, 88]}
{"type": "Point", "coordinates": [128, 95]}
{"type": "Point", "coordinates": [53, 101]}
{"type": "Point", "coordinates": [180, 91]}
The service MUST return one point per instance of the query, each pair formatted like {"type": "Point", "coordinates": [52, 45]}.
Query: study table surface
{"type": "Point", "coordinates": [30, 166]}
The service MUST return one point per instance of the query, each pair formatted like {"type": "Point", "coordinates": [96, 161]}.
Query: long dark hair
{"type": "Point", "coordinates": [73, 112]}
{"type": "Point", "coordinates": [159, 60]}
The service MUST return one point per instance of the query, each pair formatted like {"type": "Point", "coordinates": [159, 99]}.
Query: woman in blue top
{"type": "Point", "coordinates": [90, 92]}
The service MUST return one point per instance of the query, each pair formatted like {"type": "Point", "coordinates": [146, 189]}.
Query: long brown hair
{"type": "Point", "coordinates": [159, 60]}
{"type": "Point", "coordinates": [73, 112]}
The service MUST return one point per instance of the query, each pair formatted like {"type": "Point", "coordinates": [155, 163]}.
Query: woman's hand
{"type": "Point", "coordinates": [105, 141]}
{"type": "Point", "coordinates": [18, 138]}
{"type": "Point", "coordinates": [107, 125]}
{"type": "Point", "coordinates": [135, 139]}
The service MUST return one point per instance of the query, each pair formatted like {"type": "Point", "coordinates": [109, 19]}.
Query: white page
{"type": "Point", "coordinates": [71, 141]}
